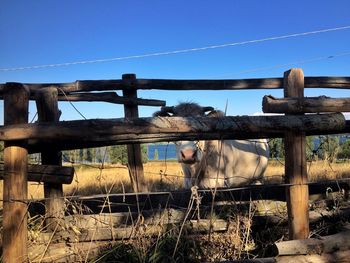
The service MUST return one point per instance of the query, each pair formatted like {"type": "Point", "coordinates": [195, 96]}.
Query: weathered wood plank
{"type": "Point", "coordinates": [239, 84]}
{"type": "Point", "coordinates": [47, 106]}
{"type": "Point", "coordinates": [14, 233]}
{"type": "Point", "coordinates": [305, 105]}
{"type": "Point", "coordinates": [295, 165]}
{"type": "Point", "coordinates": [129, 232]}
{"type": "Point", "coordinates": [135, 165]}
{"type": "Point", "coordinates": [335, 257]}
{"type": "Point", "coordinates": [273, 218]}
{"type": "Point", "coordinates": [255, 260]}
{"type": "Point", "coordinates": [77, 86]}
{"type": "Point", "coordinates": [274, 215]}
{"type": "Point", "coordinates": [180, 198]}
{"type": "Point", "coordinates": [122, 219]}
{"type": "Point", "coordinates": [100, 228]}
{"type": "Point", "coordinates": [99, 234]}
{"type": "Point", "coordinates": [224, 84]}
{"type": "Point", "coordinates": [169, 84]}
{"type": "Point", "coordinates": [35, 146]}
{"type": "Point", "coordinates": [327, 82]}
{"type": "Point", "coordinates": [47, 174]}
{"type": "Point", "coordinates": [328, 244]}
{"type": "Point", "coordinates": [110, 97]}
{"type": "Point", "coordinates": [71, 252]}
{"type": "Point", "coordinates": [230, 127]}
{"type": "Point", "coordinates": [85, 251]}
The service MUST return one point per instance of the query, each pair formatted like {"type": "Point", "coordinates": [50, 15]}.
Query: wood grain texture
{"type": "Point", "coordinates": [172, 84]}
{"type": "Point", "coordinates": [16, 101]}
{"type": "Point", "coordinates": [47, 174]}
{"type": "Point", "coordinates": [305, 105]}
{"type": "Point", "coordinates": [47, 106]}
{"type": "Point", "coordinates": [179, 199]}
{"type": "Point", "coordinates": [295, 165]}
{"type": "Point", "coordinates": [328, 244]}
{"type": "Point", "coordinates": [174, 128]}
{"type": "Point", "coordinates": [135, 165]}
{"type": "Point", "coordinates": [110, 97]}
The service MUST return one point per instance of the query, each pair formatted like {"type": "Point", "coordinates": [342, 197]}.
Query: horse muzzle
{"type": "Point", "coordinates": [188, 156]}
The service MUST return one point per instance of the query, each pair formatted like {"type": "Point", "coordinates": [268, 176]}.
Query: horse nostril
{"type": "Point", "coordinates": [188, 155]}
{"type": "Point", "coordinates": [194, 154]}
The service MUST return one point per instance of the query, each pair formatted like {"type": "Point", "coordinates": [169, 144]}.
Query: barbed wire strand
{"type": "Point", "coordinates": [97, 197]}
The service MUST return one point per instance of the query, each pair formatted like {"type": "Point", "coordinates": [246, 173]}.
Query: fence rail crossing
{"type": "Point", "coordinates": [20, 137]}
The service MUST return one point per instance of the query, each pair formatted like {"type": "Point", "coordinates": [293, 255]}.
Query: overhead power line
{"type": "Point", "coordinates": [174, 52]}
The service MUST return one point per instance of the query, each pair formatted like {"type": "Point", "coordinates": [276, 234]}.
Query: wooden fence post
{"type": "Point", "coordinates": [134, 150]}
{"type": "Point", "coordinates": [295, 165]}
{"type": "Point", "coordinates": [15, 188]}
{"type": "Point", "coordinates": [47, 106]}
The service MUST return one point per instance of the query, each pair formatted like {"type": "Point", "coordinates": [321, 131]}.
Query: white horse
{"type": "Point", "coordinates": [215, 163]}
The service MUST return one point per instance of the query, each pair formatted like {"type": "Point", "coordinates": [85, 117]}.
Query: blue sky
{"type": "Point", "coordinates": [44, 32]}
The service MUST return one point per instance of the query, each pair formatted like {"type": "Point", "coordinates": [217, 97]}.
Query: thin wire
{"type": "Point", "coordinates": [36, 114]}
{"type": "Point", "coordinates": [174, 52]}
{"type": "Point", "coordinates": [300, 62]}
{"type": "Point", "coordinates": [71, 103]}
{"type": "Point", "coordinates": [96, 197]}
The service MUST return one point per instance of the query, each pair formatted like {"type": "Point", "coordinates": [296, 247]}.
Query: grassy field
{"type": "Point", "coordinates": [115, 178]}
{"type": "Point", "coordinates": [237, 242]}
{"type": "Point", "coordinates": [168, 175]}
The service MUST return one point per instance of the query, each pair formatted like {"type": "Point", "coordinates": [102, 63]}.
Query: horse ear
{"type": "Point", "coordinates": [161, 114]}
{"type": "Point", "coordinates": [215, 113]}
{"type": "Point", "coordinates": [206, 109]}
{"type": "Point", "coordinates": [164, 112]}
{"type": "Point", "coordinates": [168, 109]}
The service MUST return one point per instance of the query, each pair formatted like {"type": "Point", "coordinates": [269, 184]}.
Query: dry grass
{"type": "Point", "coordinates": [168, 175]}
{"type": "Point", "coordinates": [317, 171]}
{"type": "Point", "coordinates": [161, 175]}
{"type": "Point", "coordinates": [115, 178]}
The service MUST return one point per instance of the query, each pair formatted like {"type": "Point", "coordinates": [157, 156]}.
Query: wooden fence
{"type": "Point", "coordinates": [22, 138]}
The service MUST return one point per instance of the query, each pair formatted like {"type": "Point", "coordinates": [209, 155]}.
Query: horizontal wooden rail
{"type": "Point", "coordinates": [77, 86]}
{"type": "Point", "coordinates": [239, 84]}
{"type": "Point", "coordinates": [234, 127]}
{"type": "Point", "coordinates": [91, 241]}
{"type": "Point", "coordinates": [47, 174]}
{"type": "Point", "coordinates": [169, 84]}
{"type": "Point", "coordinates": [110, 97]}
{"type": "Point", "coordinates": [103, 132]}
{"type": "Point", "coordinates": [100, 235]}
{"type": "Point", "coordinates": [179, 199]}
{"type": "Point", "coordinates": [268, 215]}
{"type": "Point", "coordinates": [305, 105]}
{"type": "Point", "coordinates": [84, 133]}
{"type": "Point", "coordinates": [93, 233]}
